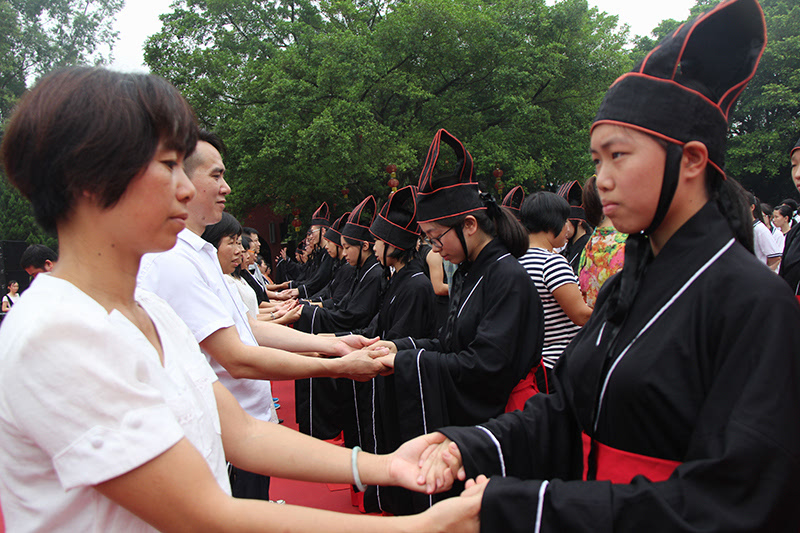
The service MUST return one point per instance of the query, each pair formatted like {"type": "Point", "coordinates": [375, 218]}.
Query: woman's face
{"type": "Point", "coordinates": [332, 249]}
{"type": "Point", "coordinates": [569, 230]}
{"type": "Point", "coordinates": [630, 170]}
{"type": "Point", "coordinates": [450, 248]}
{"type": "Point", "coordinates": [229, 253]}
{"type": "Point", "coordinates": [13, 288]}
{"type": "Point", "coordinates": [153, 209]}
{"type": "Point", "coordinates": [778, 219]}
{"type": "Point", "coordinates": [351, 253]}
{"type": "Point", "coordinates": [380, 248]}
{"type": "Point", "coordinates": [796, 169]}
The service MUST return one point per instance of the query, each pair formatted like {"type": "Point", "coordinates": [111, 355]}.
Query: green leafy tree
{"type": "Point", "coordinates": [36, 37]}
{"type": "Point", "coordinates": [315, 98]}
{"type": "Point", "coordinates": [766, 121]}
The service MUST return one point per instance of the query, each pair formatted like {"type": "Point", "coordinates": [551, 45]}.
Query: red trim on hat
{"type": "Point", "coordinates": [469, 183]}
{"type": "Point", "coordinates": [639, 128]}
{"type": "Point", "coordinates": [796, 148]}
{"type": "Point", "coordinates": [389, 243]}
{"type": "Point", "coordinates": [404, 228]}
{"type": "Point", "coordinates": [452, 215]}
{"type": "Point", "coordinates": [655, 134]}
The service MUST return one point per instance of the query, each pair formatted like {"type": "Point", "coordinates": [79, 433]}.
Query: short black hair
{"type": "Point", "coordinates": [36, 255]}
{"type": "Point", "coordinates": [228, 226]}
{"type": "Point", "coordinates": [544, 212]}
{"type": "Point", "coordinates": [250, 231]}
{"type": "Point", "coordinates": [90, 129]}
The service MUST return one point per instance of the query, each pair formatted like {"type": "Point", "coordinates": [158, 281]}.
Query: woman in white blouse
{"type": "Point", "coordinates": [110, 417]}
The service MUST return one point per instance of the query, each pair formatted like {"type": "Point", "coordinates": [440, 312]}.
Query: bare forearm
{"type": "Point", "coordinates": [274, 336]}
{"type": "Point", "coordinates": [256, 362]}
{"type": "Point", "coordinates": [275, 450]}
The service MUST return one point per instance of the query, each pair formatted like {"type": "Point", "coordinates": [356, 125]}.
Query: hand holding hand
{"type": "Point", "coordinates": [362, 365]}
{"type": "Point", "coordinates": [348, 343]}
{"type": "Point", "coordinates": [457, 515]}
{"type": "Point", "coordinates": [440, 465]}
{"type": "Point", "coordinates": [387, 344]}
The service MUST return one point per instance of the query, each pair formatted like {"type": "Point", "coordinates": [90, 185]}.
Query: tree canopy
{"type": "Point", "coordinates": [766, 122]}
{"type": "Point", "coordinates": [313, 98]}
{"type": "Point", "coordinates": [36, 37]}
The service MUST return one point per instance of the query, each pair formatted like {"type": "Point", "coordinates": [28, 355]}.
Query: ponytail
{"type": "Point", "coordinates": [729, 196]}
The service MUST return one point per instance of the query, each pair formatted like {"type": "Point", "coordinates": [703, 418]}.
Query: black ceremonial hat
{"type": "Point", "coordinates": [359, 221]}
{"type": "Point", "coordinates": [451, 192]}
{"type": "Point", "coordinates": [686, 87]}
{"type": "Point", "coordinates": [334, 231]}
{"type": "Point", "coordinates": [322, 216]}
{"type": "Point", "coordinates": [796, 147]}
{"type": "Point", "coordinates": [402, 237]}
{"type": "Point", "coordinates": [514, 199]}
{"type": "Point", "coordinates": [572, 192]}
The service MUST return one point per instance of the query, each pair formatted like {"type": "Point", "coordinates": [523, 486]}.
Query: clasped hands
{"type": "Point", "coordinates": [431, 463]}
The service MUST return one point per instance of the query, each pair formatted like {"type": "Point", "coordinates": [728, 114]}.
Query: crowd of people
{"type": "Point", "coordinates": [595, 359]}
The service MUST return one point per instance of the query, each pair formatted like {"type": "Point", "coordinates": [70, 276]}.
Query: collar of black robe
{"type": "Point", "coordinates": [697, 241]}
{"type": "Point", "coordinates": [686, 88]}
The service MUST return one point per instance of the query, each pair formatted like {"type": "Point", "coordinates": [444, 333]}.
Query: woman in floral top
{"type": "Point", "coordinates": [604, 253]}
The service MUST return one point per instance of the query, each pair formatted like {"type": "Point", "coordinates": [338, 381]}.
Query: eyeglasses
{"type": "Point", "coordinates": [437, 241]}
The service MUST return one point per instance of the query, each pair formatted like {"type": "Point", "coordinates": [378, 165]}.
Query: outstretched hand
{"type": "Point", "coordinates": [440, 465]}
{"type": "Point", "coordinates": [404, 463]}
{"type": "Point", "coordinates": [362, 365]}
{"type": "Point", "coordinates": [349, 343]}
{"type": "Point", "coordinates": [457, 515]}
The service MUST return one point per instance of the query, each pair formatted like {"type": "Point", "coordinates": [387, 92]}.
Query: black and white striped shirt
{"type": "Point", "coordinates": [549, 271]}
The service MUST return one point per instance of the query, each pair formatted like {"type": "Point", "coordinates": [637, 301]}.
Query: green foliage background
{"type": "Point", "coordinates": [313, 97]}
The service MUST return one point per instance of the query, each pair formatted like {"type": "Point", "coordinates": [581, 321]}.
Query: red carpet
{"type": "Point", "coordinates": [333, 497]}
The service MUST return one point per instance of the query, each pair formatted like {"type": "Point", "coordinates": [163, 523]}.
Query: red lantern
{"type": "Point", "coordinates": [393, 183]}
{"type": "Point", "coordinates": [296, 223]}
{"type": "Point", "coordinates": [296, 212]}
{"type": "Point", "coordinates": [391, 169]}
{"type": "Point", "coordinates": [345, 192]}
{"type": "Point", "coordinates": [498, 173]}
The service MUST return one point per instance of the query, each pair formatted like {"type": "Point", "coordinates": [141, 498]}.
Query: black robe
{"type": "Point", "coordinates": [407, 309]}
{"type": "Point", "coordinates": [319, 275]}
{"type": "Point", "coordinates": [338, 287]}
{"type": "Point", "coordinates": [320, 411]}
{"type": "Point", "coordinates": [287, 269]}
{"type": "Point", "coordinates": [574, 250]}
{"type": "Point", "coordinates": [712, 383]}
{"type": "Point", "coordinates": [261, 295]}
{"type": "Point", "coordinates": [790, 262]}
{"type": "Point", "coordinates": [494, 342]}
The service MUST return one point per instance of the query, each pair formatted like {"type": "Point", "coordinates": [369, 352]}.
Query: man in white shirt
{"type": "Point", "coordinates": [242, 351]}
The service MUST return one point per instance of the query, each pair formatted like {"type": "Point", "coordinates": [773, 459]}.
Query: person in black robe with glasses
{"type": "Point", "coordinates": [494, 331]}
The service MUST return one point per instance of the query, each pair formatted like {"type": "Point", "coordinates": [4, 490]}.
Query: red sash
{"type": "Point", "coordinates": [526, 388]}
{"type": "Point", "coordinates": [618, 466]}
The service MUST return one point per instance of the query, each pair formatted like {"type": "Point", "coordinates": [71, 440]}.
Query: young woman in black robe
{"type": "Point", "coordinates": [677, 405]}
{"type": "Point", "coordinates": [329, 297]}
{"type": "Point", "coordinates": [790, 262]}
{"type": "Point", "coordinates": [329, 402]}
{"type": "Point", "coordinates": [493, 335]}
{"type": "Point", "coordinates": [407, 309]}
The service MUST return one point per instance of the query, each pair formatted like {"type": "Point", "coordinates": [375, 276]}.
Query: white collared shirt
{"type": "Point", "coordinates": [190, 279]}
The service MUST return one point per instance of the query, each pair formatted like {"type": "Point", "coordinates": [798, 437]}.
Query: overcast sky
{"type": "Point", "coordinates": [139, 19]}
